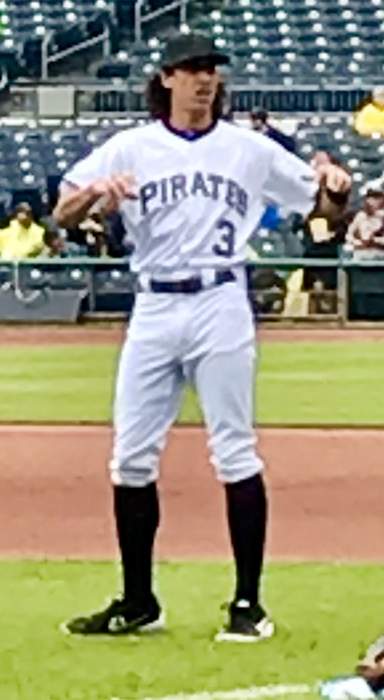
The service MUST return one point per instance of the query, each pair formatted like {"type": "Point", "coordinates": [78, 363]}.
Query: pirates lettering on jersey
{"type": "Point", "coordinates": [169, 190]}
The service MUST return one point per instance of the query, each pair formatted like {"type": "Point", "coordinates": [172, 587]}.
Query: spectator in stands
{"type": "Point", "coordinates": [369, 119]}
{"type": "Point", "coordinates": [322, 239]}
{"type": "Point", "coordinates": [365, 235]}
{"type": "Point", "coordinates": [101, 237]}
{"type": "Point", "coordinates": [377, 184]}
{"type": "Point", "coordinates": [95, 235]}
{"type": "Point", "coordinates": [117, 241]}
{"type": "Point", "coordinates": [271, 218]}
{"type": "Point", "coordinates": [57, 246]}
{"type": "Point", "coordinates": [267, 290]}
{"type": "Point", "coordinates": [259, 120]}
{"type": "Point", "coordinates": [23, 237]}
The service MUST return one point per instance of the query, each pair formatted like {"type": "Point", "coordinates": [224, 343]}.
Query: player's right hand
{"type": "Point", "coordinates": [108, 193]}
{"type": "Point", "coordinates": [333, 177]}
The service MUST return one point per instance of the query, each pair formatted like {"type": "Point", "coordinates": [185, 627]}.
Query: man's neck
{"type": "Point", "coordinates": [190, 121]}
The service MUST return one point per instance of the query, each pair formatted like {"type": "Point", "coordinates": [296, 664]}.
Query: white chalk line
{"type": "Point", "coordinates": [252, 693]}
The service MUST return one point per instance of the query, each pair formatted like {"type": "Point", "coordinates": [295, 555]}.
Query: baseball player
{"type": "Point", "coordinates": [371, 666]}
{"type": "Point", "coordinates": [190, 188]}
{"type": "Point", "coordinates": [366, 684]}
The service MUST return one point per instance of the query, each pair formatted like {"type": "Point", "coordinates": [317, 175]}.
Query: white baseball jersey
{"type": "Point", "coordinates": [199, 200]}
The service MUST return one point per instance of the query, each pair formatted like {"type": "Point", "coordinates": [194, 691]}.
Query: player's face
{"type": "Point", "coordinates": [193, 85]}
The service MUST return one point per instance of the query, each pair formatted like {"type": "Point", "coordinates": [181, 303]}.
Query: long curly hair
{"type": "Point", "coordinates": [159, 99]}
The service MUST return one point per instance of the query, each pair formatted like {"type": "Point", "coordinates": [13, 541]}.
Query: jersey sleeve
{"type": "Point", "coordinates": [102, 162]}
{"type": "Point", "coordinates": [291, 183]}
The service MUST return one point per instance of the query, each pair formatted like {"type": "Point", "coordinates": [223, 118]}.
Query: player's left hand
{"type": "Point", "coordinates": [333, 177]}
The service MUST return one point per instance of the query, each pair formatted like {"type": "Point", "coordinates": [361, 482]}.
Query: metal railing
{"type": "Point", "coordinates": [129, 97]}
{"type": "Point", "coordinates": [101, 279]}
{"type": "Point", "coordinates": [314, 98]}
{"type": "Point", "coordinates": [103, 39]}
{"type": "Point", "coordinates": [142, 18]}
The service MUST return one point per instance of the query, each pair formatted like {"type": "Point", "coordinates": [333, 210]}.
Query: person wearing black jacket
{"type": "Point", "coordinates": [259, 120]}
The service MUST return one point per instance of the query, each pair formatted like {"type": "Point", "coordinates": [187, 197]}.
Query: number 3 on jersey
{"type": "Point", "coordinates": [226, 246]}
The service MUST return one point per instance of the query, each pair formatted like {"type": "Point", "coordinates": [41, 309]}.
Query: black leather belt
{"type": "Point", "coordinates": [191, 285]}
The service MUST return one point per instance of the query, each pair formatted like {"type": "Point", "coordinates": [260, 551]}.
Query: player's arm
{"type": "Point", "coordinates": [104, 196]}
{"type": "Point", "coordinates": [73, 205]}
{"type": "Point", "coordinates": [299, 188]}
{"type": "Point", "coordinates": [100, 181]}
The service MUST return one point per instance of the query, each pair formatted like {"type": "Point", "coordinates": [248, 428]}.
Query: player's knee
{"type": "Point", "coordinates": [132, 473]}
{"type": "Point", "coordinates": [232, 474]}
{"type": "Point", "coordinates": [236, 466]}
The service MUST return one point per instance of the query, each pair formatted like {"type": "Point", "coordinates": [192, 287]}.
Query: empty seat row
{"type": "Point", "coordinates": [21, 20]}
{"type": "Point", "coordinates": [280, 40]}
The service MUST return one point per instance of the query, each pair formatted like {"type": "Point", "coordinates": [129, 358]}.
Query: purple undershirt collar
{"type": "Point", "coordinates": [188, 134]}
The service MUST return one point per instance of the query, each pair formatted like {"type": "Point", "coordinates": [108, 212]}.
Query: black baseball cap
{"type": "Point", "coordinates": [181, 48]}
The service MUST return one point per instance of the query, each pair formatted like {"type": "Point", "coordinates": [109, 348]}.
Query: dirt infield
{"type": "Point", "coordinates": [113, 333]}
{"type": "Point", "coordinates": [325, 486]}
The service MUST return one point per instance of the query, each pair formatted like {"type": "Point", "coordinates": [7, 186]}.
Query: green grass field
{"type": "Point", "coordinates": [325, 615]}
{"type": "Point", "coordinates": [298, 383]}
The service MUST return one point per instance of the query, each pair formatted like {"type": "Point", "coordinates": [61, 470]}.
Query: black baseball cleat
{"type": "Point", "coordinates": [119, 617]}
{"type": "Point", "coordinates": [246, 623]}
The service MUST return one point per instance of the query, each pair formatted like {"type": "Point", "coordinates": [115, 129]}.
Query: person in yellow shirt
{"type": "Point", "coordinates": [23, 237]}
{"type": "Point", "coordinates": [370, 118]}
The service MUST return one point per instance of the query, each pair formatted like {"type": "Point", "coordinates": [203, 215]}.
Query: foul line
{"type": "Point", "coordinates": [252, 693]}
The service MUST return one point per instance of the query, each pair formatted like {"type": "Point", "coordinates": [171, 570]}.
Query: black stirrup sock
{"type": "Point", "coordinates": [247, 517]}
{"type": "Point", "coordinates": [137, 518]}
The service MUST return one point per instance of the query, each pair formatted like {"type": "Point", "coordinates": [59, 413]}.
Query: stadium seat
{"type": "Point", "coordinates": [242, 26]}
{"type": "Point", "coordinates": [25, 22]}
{"type": "Point", "coordinates": [276, 43]}
{"type": "Point", "coordinates": [53, 277]}
{"type": "Point", "coordinates": [113, 288]}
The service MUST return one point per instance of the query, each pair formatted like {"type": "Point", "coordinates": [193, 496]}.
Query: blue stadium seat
{"type": "Point", "coordinates": [243, 26]}
{"type": "Point", "coordinates": [25, 22]}
{"type": "Point", "coordinates": [113, 288]}
{"type": "Point", "coordinates": [54, 276]}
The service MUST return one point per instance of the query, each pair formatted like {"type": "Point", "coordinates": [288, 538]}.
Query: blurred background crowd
{"type": "Point", "coordinates": [359, 234]}
{"type": "Point", "coordinates": [306, 73]}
